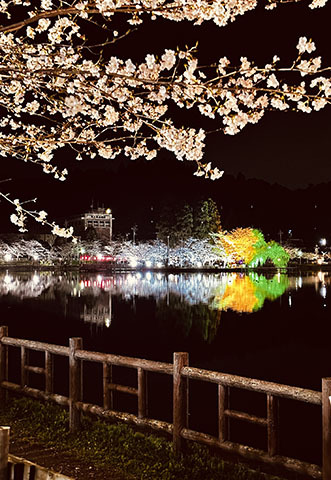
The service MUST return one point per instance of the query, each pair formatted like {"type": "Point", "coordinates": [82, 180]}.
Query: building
{"type": "Point", "coordinates": [98, 221]}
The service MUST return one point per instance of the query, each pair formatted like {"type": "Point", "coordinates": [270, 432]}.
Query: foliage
{"type": "Point", "coordinates": [184, 223]}
{"type": "Point", "coordinates": [207, 219]}
{"type": "Point", "coordinates": [191, 252]}
{"type": "Point", "coordinates": [180, 223]}
{"type": "Point", "coordinates": [237, 244]}
{"type": "Point", "coordinates": [175, 224]}
{"type": "Point", "coordinates": [25, 249]}
{"type": "Point", "coordinates": [248, 246]}
{"type": "Point", "coordinates": [145, 456]}
{"type": "Point", "coordinates": [270, 251]}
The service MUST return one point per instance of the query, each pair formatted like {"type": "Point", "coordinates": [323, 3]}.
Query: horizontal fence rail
{"type": "Point", "coordinates": [181, 374]}
{"type": "Point", "coordinates": [259, 386]}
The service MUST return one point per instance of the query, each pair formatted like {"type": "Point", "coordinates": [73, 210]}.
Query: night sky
{"type": "Point", "coordinates": [284, 147]}
{"type": "Point", "coordinates": [288, 148]}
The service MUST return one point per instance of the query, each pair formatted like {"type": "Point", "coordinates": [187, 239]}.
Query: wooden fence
{"type": "Point", "coordinates": [17, 468]}
{"type": "Point", "coordinates": [181, 373]}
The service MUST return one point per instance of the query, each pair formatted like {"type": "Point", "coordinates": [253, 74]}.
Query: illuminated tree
{"type": "Point", "coordinates": [248, 246]}
{"type": "Point", "coordinates": [25, 249]}
{"type": "Point", "coordinates": [272, 251]}
{"type": "Point", "coordinates": [65, 87]}
{"type": "Point", "coordinates": [237, 244]}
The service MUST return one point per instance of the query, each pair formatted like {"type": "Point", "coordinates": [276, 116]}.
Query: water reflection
{"type": "Point", "coordinates": [29, 285]}
{"type": "Point", "coordinates": [247, 293]}
{"type": "Point", "coordinates": [194, 300]}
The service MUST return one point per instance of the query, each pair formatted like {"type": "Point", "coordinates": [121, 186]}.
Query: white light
{"type": "Point", "coordinates": [107, 322]}
{"type": "Point", "coordinates": [133, 262]}
{"type": "Point", "coordinates": [7, 257]}
{"type": "Point", "coordinates": [99, 278]}
{"type": "Point", "coordinates": [320, 276]}
{"type": "Point", "coordinates": [8, 279]}
{"type": "Point", "coordinates": [99, 256]}
{"type": "Point", "coordinates": [323, 242]}
{"type": "Point", "coordinates": [148, 263]}
{"type": "Point", "coordinates": [159, 264]}
{"type": "Point", "coordinates": [323, 291]}
{"type": "Point", "coordinates": [199, 264]}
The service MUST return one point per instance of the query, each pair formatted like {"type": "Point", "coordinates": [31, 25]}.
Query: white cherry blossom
{"type": "Point", "coordinates": [55, 93]}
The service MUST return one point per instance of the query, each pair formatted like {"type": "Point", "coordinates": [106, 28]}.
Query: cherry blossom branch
{"type": "Point", "coordinates": [173, 10]}
{"type": "Point", "coordinates": [20, 217]}
{"type": "Point", "coordinates": [53, 95]}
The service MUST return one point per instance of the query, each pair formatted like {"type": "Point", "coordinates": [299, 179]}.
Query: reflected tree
{"type": "Point", "coordinates": [247, 294]}
{"type": "Point", "coordinates": [185, 319]}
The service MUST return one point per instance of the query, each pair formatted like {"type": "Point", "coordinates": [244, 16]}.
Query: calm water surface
{"type": "Point", "coordinates": [274, 328]}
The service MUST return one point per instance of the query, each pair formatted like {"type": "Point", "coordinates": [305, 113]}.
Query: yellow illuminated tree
{"type": "Point", "coordinates": [238, 244]}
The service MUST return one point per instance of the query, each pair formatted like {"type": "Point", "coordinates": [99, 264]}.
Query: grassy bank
{"type": "Point", "coordinates": [138, 455]}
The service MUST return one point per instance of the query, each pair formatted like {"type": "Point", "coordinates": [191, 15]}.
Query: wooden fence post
{"type": "Point", "coordinates": [326, 428]}
{"type": "Point", "coordinates": [3, 364]}
{"type": "Point", "coordinates": [4, 450]}
{"type": "Point", "coordinates": [222, 421]}
{"type": "Point", "coordinates": [24, 363]}
{"type": "Point", "coordinates": [49, 372]}
{"type": "Point", "coordinates": [142, 393]}
{"type": "Point", "coordinates": [108, 397]}
{"type": "Point", "coordinates": [273, 424]}
{"type": "Point", "coordinates": [180, 400]}
{"type": "Point", "coordinates": [75, 383]}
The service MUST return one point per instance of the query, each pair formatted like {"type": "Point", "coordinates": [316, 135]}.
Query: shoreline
{"type": "Point", "coordinates": [92, 268]}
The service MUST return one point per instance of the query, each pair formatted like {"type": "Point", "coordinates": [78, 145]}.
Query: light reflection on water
{"type": "Point", "coordinates": [236, 291]}
{"type": "Point", "coordinates": [274, 328]}
{"type": "Point", "coordinates": [92, 294]}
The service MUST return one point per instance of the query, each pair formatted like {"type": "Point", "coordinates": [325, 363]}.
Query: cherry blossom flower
{"type": "Point", "coordinates": [56, 94]}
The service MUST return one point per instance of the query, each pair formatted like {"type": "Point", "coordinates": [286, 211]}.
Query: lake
{"type": "Point", "coordinates": [274, 327]}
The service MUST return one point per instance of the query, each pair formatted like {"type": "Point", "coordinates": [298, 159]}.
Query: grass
{"type": "Point", "coordinates": [144, 456]}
